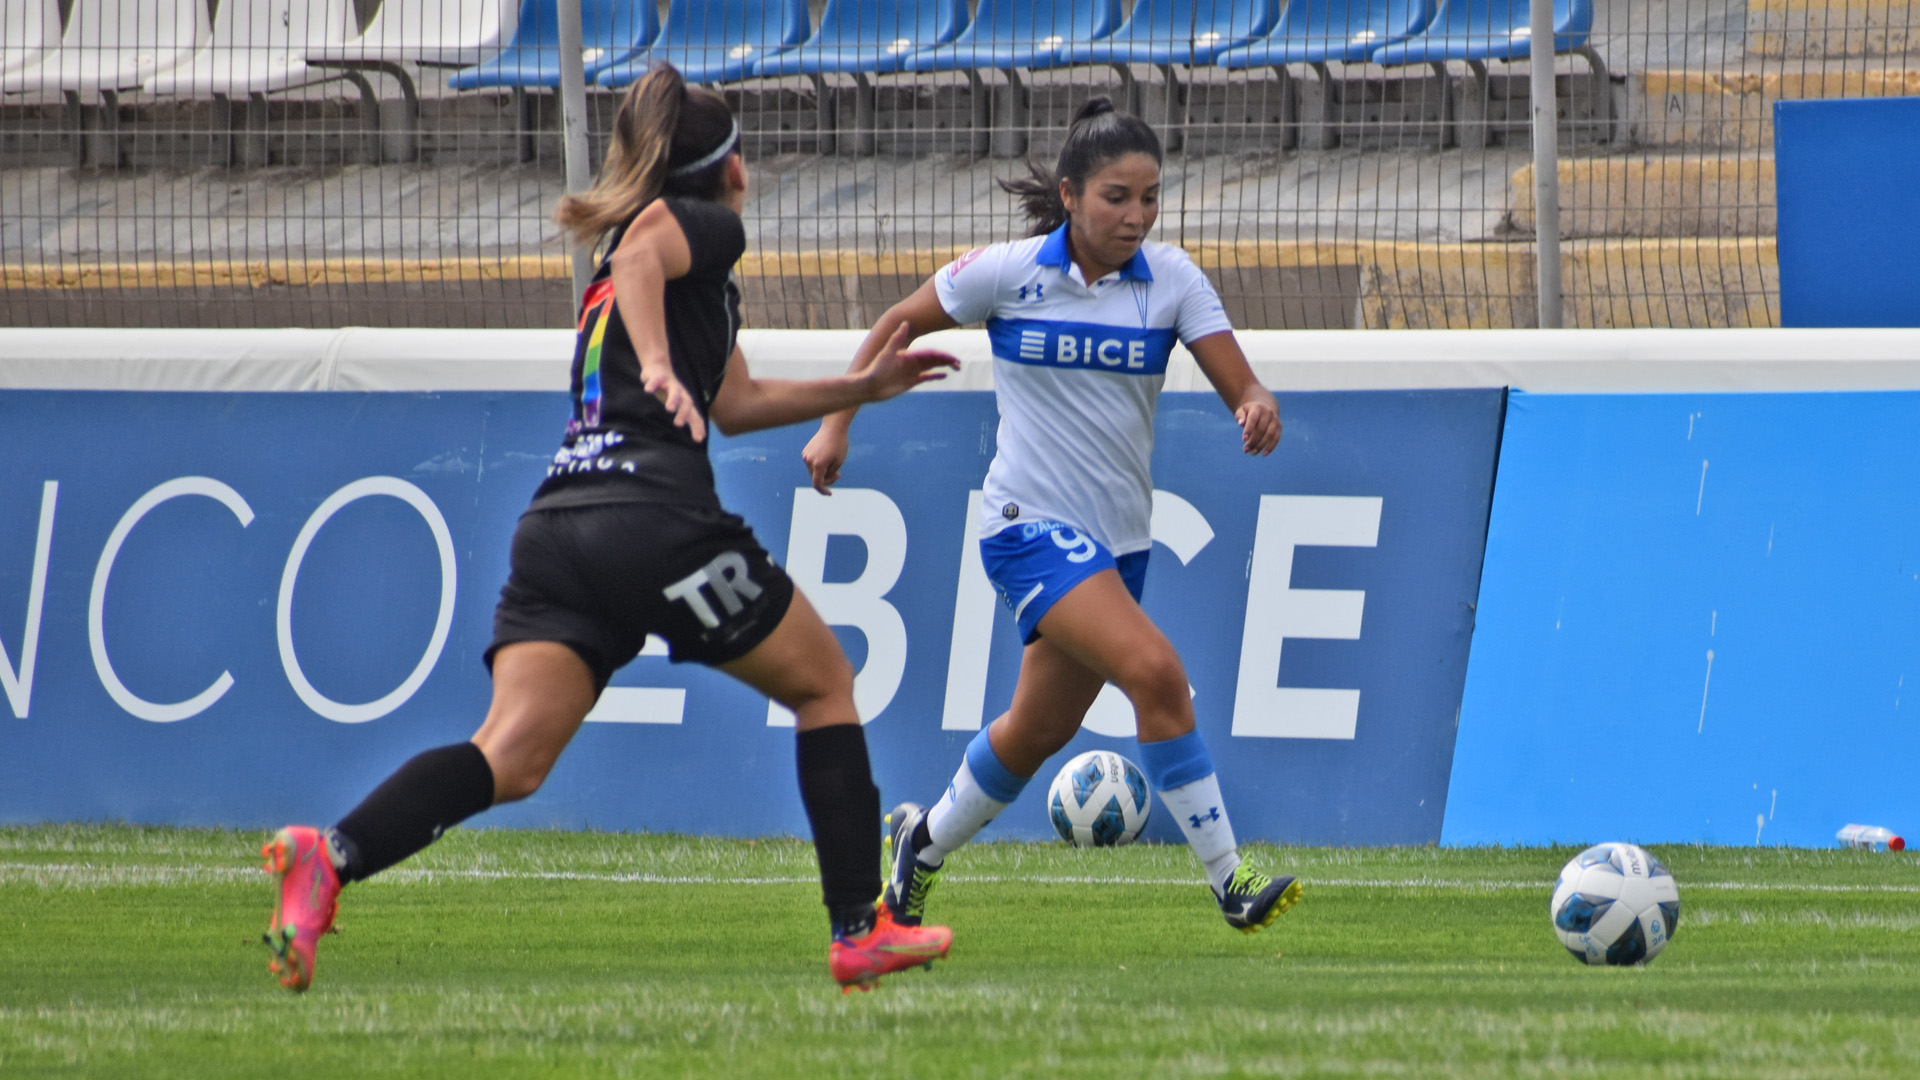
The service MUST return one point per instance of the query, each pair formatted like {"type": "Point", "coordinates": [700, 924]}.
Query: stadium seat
{"type": "Point", "coordinates": [1187, 32]}
{"type": "Point", "coordinates": [869, 37]}
{"type": "Point", "coordinates": [716, 41]}
{"type": "Point", "coordinates": [423, 33]}
{"type": "Point", "coordinates": [1487, 30]}
{"type": "Point", "coordinates": [1476, 31]}
{"type": "Point", "coordinates": [28, 30]}
{"type": "Point", "coordinates": [436, 33]}
{"type": "Point", "coordinates": [1319, 31]}
{"type": "Point", "coordinates": [610, 32]}
{"type": "Point", "coordinates": [1020, 34]}
{"type": "Point", "coordinates": [114, 45]}
{"type": "Point", "coordinates": [259, 46]}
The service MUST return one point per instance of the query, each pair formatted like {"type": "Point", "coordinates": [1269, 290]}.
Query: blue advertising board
{"type": "Point", "coordinates": [246, 609]}
{"type": "Point", "coordinates": [1849, 240]}
{"type": "Point", "coordinates": [1697, 622]}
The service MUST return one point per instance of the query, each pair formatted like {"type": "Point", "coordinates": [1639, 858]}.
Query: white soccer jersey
{"type": "Point", "coordinates": [1077, 370]}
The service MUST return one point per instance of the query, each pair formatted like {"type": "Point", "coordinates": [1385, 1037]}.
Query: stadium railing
{"type": "Point", "coordinates": [109, 46]}
{"type": "Point", "coordinates": [1170, 33]}
{"type": "Point", "coordinates": [861, 39]}
{"type": "Point", "coordinates": [1012, 36]}
{"type": "Point", "coordinates": [1477, 31]}
{"type": "Point", "coordinates": [1317, 33]}
{"type": "Point", "coordinates": [405, 35]}
{"type": "Point", "coordinates": [717, 41]}
{"type": "Point", "coordinates": [1317, 187]}
{"type": "Point", "coordinates": [28, 30]}
{"type": "Point", "coordinates": [611, 31]}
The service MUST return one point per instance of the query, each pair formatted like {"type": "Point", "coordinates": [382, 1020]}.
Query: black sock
{"type": "Point", "coordinates": [843, 806]}
{"type": "Point", "coordinates": [432, 792]}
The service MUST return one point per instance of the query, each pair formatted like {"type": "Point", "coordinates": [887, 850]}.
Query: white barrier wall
{"type": "Point", "coordinates": [1537, 361]}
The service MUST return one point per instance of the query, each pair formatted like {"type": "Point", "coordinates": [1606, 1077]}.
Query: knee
{"type": "Point", "coordinates": [1156, 680]}
{"type": "Point", "coordinates": [516, 774]}
{"type": "Point", "coordinates": [826, 679]}
{"type": "Point", "coordinates": [515, 784]}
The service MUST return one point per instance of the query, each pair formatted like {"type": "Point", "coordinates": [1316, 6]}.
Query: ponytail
{"type": "Point", "coordinates": [1097, 135]}
{"type": "Point", "coordinates": [662, 125]}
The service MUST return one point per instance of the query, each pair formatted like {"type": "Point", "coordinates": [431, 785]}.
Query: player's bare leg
{"type": "Point", "coordinates": [541, 693]}
{"type": "Point", "coordinates": [800, 665]}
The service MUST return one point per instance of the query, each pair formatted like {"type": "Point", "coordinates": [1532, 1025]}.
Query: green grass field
{"type": "Point", "coordinates": [135, 952]}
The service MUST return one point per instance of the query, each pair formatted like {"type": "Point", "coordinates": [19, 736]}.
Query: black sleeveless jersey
{"type": "Point", "coordinates": [621, 445]}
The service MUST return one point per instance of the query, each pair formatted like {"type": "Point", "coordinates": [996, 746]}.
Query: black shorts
{"type": "Point", "coordinates": [599, 579]}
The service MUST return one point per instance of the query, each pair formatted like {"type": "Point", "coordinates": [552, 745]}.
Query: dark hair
{"type": "Point", "coordinates": [1097, 135]}
{"type": "Point", "coordinates": [661, 125]}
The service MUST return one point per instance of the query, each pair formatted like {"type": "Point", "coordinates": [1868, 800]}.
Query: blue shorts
{"type": "Point", "coordinates": [1033, 564]}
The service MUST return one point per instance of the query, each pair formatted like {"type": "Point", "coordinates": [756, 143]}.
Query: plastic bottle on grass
{"type": "Point", "coordinates": [1870, 838]}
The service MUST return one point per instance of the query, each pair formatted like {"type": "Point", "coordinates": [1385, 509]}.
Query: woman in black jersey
{"type": "Point", "coordinates": [625, 538]}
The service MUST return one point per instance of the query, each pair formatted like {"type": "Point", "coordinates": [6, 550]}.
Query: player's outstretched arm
{"type": "Point", "coordinates": [745, 403]}
{"type": "Point", "coordinates": [919, 314]}
{"type": "Point", "coordinates": [653, 252]}
{"type": "Point", "coordinates": [1253, 405]}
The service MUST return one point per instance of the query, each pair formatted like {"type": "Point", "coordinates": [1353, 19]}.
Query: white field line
{"type": "Point", "coordinates": [87, 873]}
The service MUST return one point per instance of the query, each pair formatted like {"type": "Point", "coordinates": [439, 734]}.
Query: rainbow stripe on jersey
{"type": "Point", "coordinates": [597, 309]}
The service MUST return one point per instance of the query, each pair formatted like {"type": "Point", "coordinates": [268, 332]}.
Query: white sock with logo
{"type": "Point", "coordinates": [981, 788]}
{"type": "Point", "coordinates": [1202, 816]}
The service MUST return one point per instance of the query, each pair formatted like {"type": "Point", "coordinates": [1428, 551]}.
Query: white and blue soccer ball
{"type": "Point", "coordinates": [1099, 799]}
{"type": "Point", "coordinates": [1615, 904]}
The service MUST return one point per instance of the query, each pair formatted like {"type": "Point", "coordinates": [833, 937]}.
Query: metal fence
{"type": "Point", "coordinates": [1332, 163]}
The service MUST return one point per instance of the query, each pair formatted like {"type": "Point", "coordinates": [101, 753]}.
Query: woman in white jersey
{"type": "Point", "coordinates": [1082, 316]}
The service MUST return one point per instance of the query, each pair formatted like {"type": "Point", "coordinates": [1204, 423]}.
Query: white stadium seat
{"type": "Point", "coordinates": [259, 46]}
{"type": "Point", "coordinates": [113, 45]}
{"type": "Point", "coordinates": [439, 33]}
{"type": "Point", "coordinates": [28, 29]}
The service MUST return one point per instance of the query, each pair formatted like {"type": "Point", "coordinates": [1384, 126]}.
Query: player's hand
{"type": "Point", "coordinates": [1259, 427]}
{"type": "Point", "coordinates": [894, 372]}
{"type": "Point", "coordinates": [824, 455]}
{"type": "Point", "coordinates": [660, 382]}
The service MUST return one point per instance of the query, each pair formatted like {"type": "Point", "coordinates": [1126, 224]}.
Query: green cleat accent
{"type": "Point", "coordinates": [909, 881]}
{"type": "Point", "coordinates": [1253, 900]}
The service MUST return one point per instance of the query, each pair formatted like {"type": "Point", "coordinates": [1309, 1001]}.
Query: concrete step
{"type": "Point", "coordinates": [1656, 197]}
{"type": "Point", "coordinates": [1735, 108]}
{"type": "Point", "coordinates": [1275, 284]}
{"type": "Point", "coordinates": [1832, 28]}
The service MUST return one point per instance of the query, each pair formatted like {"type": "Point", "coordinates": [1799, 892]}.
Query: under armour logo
{"type": "Point", "coordinates": [1037, 291]}
{"type": "Point", "coordinates": [1198, 820]}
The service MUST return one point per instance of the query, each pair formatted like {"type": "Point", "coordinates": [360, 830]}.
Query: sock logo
{"type": "Point", "coordinates": [1212, 814]}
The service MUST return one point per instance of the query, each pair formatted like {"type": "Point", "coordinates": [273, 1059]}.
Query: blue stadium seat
{"type": "Point", "coordinates": [1477, 31]}
{"type": "Point", "coordinates": [870, 37]}
{"type": "Point", "coordinates": [1186, 32]}
{"type": "Point", "coordinates": [610, 31]}
{"type": "Point", "coordinates": [715, 41]}
{"type": "Point", "coordinates": [1488, 30]}
{"type": "Point", "coordinates": [1020, 34]}
{"type": "Point", "coordinates": [1319, 31]}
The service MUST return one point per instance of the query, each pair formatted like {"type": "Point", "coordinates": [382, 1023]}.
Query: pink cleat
{"type": "Point", "coordinates": [309, 889]}
{"type": "Point", "coordinates": [858, 963]}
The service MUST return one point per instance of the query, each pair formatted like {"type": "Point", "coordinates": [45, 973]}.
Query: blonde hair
{"type": "Point", "coordinates": [661, 123]}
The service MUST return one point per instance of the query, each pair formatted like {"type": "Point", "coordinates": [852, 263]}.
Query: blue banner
{"type": "Point", "coordinates": [1698, 619]}
{"type": "Point", "coordinates": [246, 609]}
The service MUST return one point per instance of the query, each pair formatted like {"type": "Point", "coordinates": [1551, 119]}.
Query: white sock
{"type": "Point", "coordinates": [1202, 816]}
{"type": "Point", "coordinates": [963, 811]}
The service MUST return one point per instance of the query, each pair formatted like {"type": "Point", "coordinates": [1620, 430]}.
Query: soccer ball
{"type": "Point", "coordinates": [1099, 799]}
{"type": "Point", "coordinates": [1615, 904]}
